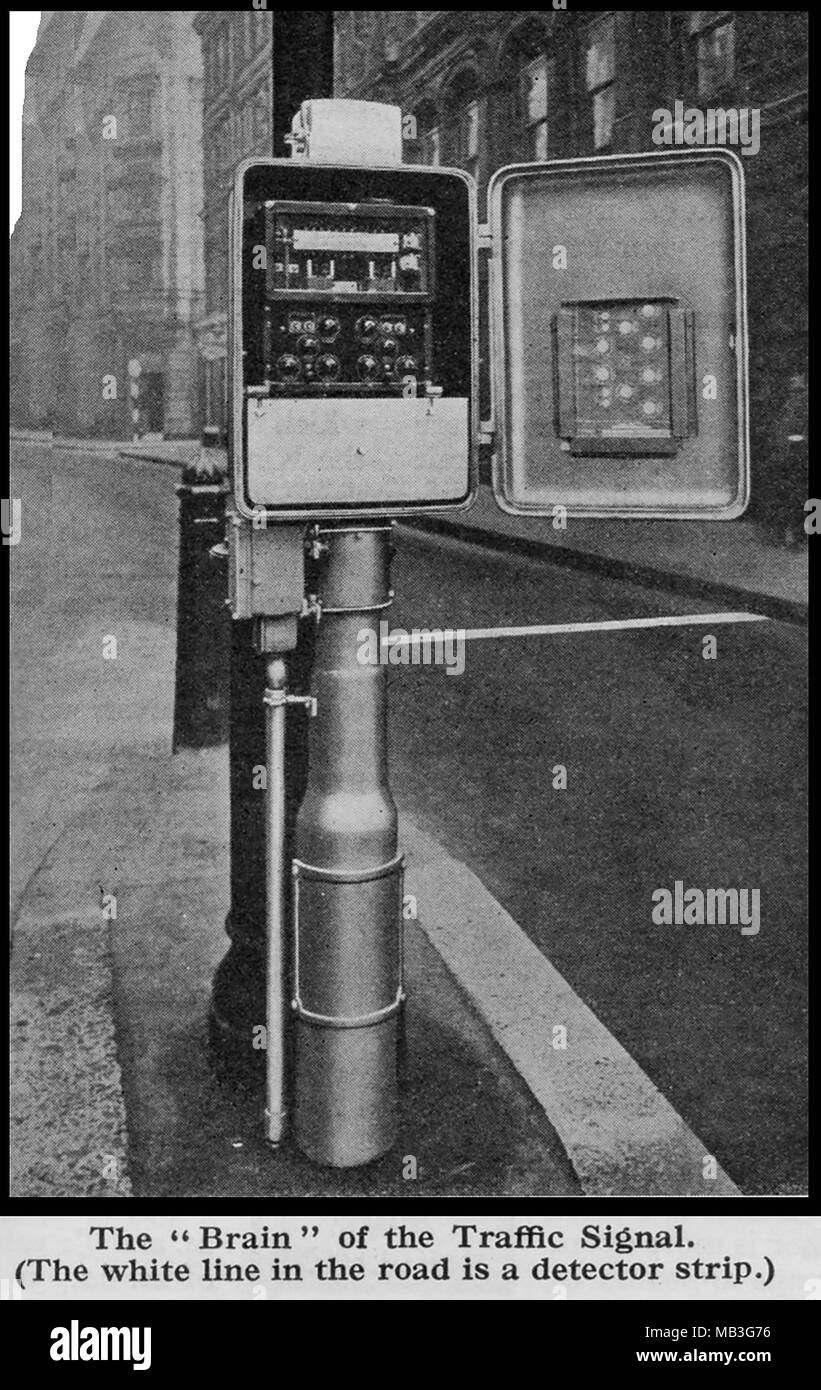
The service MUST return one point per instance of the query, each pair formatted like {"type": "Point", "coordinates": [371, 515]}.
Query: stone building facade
{"type": "Point", "coordinates": [108, 247]}
{"type": "Point", "coordinates": [490, 87]}
{"type": "Point", "coordinates": [237, 121]}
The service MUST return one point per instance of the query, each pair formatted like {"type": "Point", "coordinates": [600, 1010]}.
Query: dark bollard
{"type": "Point", "coordinates": [201, 698]}
{"type": "Point", "coordinates": [238, 996]}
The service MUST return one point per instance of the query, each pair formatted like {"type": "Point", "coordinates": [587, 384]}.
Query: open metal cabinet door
{"type": "Point", "coordinates": [619, 339]}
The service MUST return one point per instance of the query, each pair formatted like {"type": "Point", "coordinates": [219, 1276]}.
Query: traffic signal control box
{"type": "Point", "coordinates": [353, 347]}
{"type": "Point", "coordinates": [618, 339]}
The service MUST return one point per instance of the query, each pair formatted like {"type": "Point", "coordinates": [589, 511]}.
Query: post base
{"type": "Point", "coordinates": [346, 1108]}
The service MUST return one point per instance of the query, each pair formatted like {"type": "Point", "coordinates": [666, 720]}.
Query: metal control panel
{"type": "Point", "coordinates": [350, 294]}
{"type": "Point", "coordinates": [624, 377]}
{"type": "Point", "coordinates": [353, 348]}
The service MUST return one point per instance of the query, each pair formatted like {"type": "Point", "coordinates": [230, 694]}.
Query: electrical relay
{"type": "Point", "coordinates": [349, 296]}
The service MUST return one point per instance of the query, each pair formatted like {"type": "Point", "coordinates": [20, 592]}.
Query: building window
{"type": "Point", "coordinates": [535, 82]}
{"type": "Point", "coordinates": [211, 165]}
{"type": "Point", "coordinates": [604, 112]}
{"type": "Point", "coordinates": [463, 126]}
{"type": "Point", "coordinates": [221, 60]}
{"type": "Point", "coordinates": [526, 95]}
{"type": "Point", "coordinates": [222, 146]}
{"type": "Point", "coordinates": [471, 134]}
{"type": "Point", "coordinates": [138, 272]}
{"type": "Point", "coordinates": [599, 75]}
{"type": "Point", "coordinates": [138, 116]}
{"type": "Point", "coordinates": [135, 200]}
{"type": "Point", "coordinates": [217, 63]}
{"type": "Point", "coordinates": [359, 45]}
{"type": "Point", "coordinates": [713, 34]}
{"type": "Point", "coordinates": [422, 135]}
{"type": "Point", "coordinates": [431, 146]}
{"type": "Point", "coordinates": [215, 392]}
{"type": "Point", "coordinates": [261, 114]}
{"type": "Point", "coordinates": [216, 274]}
{"type": "Point", "coordinates": [241, 138]}
{"type": "Point", "coordinates": [262, 27]}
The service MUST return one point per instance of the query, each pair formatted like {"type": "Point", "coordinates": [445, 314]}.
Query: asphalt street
{"type": "Point", "coordinates": [678, 769]}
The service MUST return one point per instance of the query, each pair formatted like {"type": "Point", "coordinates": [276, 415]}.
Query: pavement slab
{"type": "Point", "coordinates": [68, 1122]}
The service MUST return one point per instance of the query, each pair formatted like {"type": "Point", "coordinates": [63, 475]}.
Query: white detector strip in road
{"type": "Point", "coordinates": [478, 634]}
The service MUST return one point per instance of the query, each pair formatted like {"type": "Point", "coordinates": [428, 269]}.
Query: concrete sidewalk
{"type": "Point", "coordinates": [174, 451]}
{"type": "Point", "coordinates": [155, 838]}
{"type": "Point", "coordinates": [731, 564]}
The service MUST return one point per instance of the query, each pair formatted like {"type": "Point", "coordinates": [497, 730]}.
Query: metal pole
{"type": "Point", "coordinates": [303, 66]}
{"type": "Point", "coordinates": [259, 837]}
{"type": "Point", "coordinates": [268, 638]}
{"type": "Point", "coordinates": [275, 702]}
{"type": "Point", "coordinates": [347, 891]}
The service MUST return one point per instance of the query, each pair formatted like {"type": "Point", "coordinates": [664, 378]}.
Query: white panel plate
{"type": "Point", "coordinates": [334, 451]}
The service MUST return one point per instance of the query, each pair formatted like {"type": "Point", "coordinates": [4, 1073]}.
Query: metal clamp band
{"type": "Point", "coordinates": [196, 489]}
{"type": "Point", "coordinates": [361, 1021]}
{"type": "Point", "coordinates": [300, 869]}
{"type": "Point", "coordinates": [362, 607]}
{"type": "Point", "coordinates": [350, 530]}
{"type": "Point", "coordinates": [278, 698]}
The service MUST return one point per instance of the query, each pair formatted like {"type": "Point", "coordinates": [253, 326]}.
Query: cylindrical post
{"type": "Point", "coordinates": [275, 702]}
{"type": "Point", "coordinates": [347, 893]}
